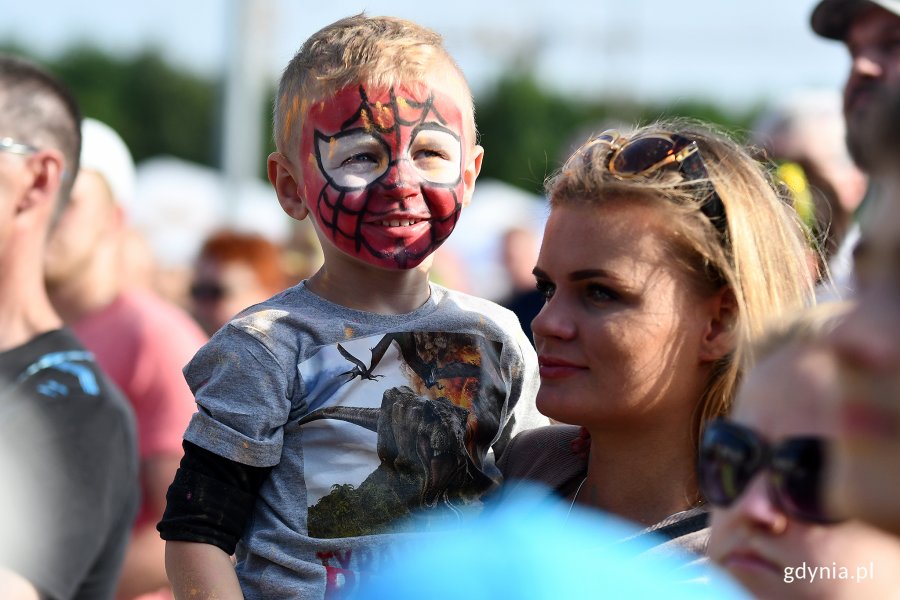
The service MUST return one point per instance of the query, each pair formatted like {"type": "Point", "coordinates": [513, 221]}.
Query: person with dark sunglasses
{"type": "Point", "coordinates": [664, 248]}
{"type": "Point", "coordinates": [234, 270]}
{"type": "Point", "coordinates": [764, 471]}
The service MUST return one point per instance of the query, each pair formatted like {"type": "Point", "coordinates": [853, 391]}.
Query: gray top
{"type": "Point", "coordinates": [379, 427]}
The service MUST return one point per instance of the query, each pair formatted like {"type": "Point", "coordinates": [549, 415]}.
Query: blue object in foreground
{"type": "Point", "coordinates": [528, 547]}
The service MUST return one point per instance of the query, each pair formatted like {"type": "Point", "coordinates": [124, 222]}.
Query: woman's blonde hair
{"type": "Point", "coordinates": [380, 51]}
{"type": "Point", "coordinates": [760, 257]}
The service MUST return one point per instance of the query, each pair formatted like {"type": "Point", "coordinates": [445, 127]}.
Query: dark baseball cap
{"type": "Point", "coordinates": [832, 18]}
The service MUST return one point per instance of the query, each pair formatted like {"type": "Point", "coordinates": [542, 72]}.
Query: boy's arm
{"type": "Point", "coordinates": [208, 507]}
{"type": "Point", "coordinates": [200, 571]}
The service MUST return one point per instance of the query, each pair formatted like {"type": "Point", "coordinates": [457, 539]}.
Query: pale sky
{"type": "Point", "coordinates": [731, 52]}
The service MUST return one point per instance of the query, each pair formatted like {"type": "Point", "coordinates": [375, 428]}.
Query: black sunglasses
{"type": "Point", "coordinates": [731, 456]}
{"type": "Point", "coordinates": [644, 154]}
{"type": "Point", "coordinates": [209, 292]}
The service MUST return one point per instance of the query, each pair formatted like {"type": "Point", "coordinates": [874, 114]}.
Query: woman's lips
{"type": "Point", "coordinates": [749, 561]}
{"type": "Point", "coordinates": [557, 368]}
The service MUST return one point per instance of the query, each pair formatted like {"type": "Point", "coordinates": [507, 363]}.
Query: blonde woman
{"type": "Point", "coordinates": [664, 249]}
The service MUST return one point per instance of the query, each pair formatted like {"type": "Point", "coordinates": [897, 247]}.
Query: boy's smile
{"type": "Point", "coordinates": [384, 176]}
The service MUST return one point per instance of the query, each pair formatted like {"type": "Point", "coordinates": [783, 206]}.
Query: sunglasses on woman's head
{"type": "Point", "coordinates": [732, 455]}
{"type": "Point", "coordinates": [644, 154]}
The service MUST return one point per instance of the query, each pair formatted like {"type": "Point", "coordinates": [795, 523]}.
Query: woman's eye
{"type": "Point", "coordinates": [545, 288]}
{"type": "Point", "coordinates": [600, 293]}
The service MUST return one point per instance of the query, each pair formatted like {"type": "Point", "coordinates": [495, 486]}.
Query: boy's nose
{"type": "Point", "coordinates": [400, 180]}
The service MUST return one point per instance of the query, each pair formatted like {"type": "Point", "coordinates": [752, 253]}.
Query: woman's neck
{"type": "Point", "coordinates": [643, 477]}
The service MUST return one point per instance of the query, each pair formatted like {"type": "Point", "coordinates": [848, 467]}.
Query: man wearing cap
{"type": "Point", "coordinates": [871, 31]}
{"type": "Point", "coordinates": [140, 340]}
{"type": "Point", "coordinates": [67, 440]}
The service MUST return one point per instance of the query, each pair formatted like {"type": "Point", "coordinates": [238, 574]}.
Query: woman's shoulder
{"type": "Point", "coordinates": [544, 455]}
{"type": "Point", "coordinates": [685, 531]}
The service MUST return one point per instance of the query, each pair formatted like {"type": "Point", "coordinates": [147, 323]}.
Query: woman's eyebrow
{"type": "Point", "coordinates": [588, 274]}
{"type": "Point", "coordinates": [580, 275]}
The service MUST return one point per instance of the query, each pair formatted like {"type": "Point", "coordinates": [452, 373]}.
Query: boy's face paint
{"type": "Point", "coordinates": [384, 177]}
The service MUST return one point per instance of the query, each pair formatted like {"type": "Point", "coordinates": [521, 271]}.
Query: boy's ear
{"type": "Point", "coordinates": [719, 335]}
{"type": "Point", "coordinates": [470, 174]}
{"type": "Point", "coordinates": [287, 186]}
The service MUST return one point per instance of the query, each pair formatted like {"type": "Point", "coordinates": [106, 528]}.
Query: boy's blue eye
{"type": "Point", "coordinates": [361, 157]}
{"type": "Point", "coordinates": [432, 154]}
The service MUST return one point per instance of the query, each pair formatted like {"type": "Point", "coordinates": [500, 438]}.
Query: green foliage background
{"type": "Point", "coordinates": [161, 108]}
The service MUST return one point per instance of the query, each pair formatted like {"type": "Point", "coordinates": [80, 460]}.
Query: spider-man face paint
{"type": "Point", "coordinates": [384, 176]}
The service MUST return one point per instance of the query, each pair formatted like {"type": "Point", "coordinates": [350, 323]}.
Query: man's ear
{"type": "Point", "coordinates": [287, 186]}
{"type": "Point", "coordinates": [470, 174]}
{"type": "Point", "coordinates": [720, 332]}
{"type": "Point", "coordinates": [46, 170]}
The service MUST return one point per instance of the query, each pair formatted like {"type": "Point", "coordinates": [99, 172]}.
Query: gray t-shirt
{"type": "Point", "coordinates": [379, 427]}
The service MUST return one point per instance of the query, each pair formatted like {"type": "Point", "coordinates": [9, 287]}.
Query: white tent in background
{"type": "Point", "coordinates": [180, 203]}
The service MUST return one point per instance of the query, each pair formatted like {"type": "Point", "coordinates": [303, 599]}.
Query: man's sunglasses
{"type": "Point", "coordinates": [208, 292]}
{"type": "Point", "coordinates": [732, 455]}
{"type": "Point", "coordinates": [644, 154]}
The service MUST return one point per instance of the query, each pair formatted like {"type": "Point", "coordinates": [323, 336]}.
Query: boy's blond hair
{"type": "Point", "coordinates": [762, 260]}
{"type": "Point", "coordinates": [380, 51]}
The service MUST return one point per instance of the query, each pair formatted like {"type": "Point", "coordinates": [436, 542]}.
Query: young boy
{"type": "Point", "coordinates": [360, 407]}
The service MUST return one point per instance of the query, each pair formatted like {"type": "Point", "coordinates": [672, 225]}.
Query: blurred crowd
{"type": "Point", "coordinates": [791, 490]}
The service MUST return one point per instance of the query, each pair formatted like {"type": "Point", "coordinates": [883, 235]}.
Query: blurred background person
{"type": "Point", "coordinates": [302, 251]}
{"type": "Point", "coordinates": [235, 270]}
{"type": "Point", "coordinates": [71, 430]}
{"type": "Point", "coordinates": [518, 253]}
{"type": "Point", "coordinates": [141, 341]}
{"type": "Point", "coordinates": [869, 29]}
{"type": "Point", "coordinates": [864, 480]}
{"type": "Point", "coordinates": [804, 134]}
{"type": "Point", "coordinates": [763, 470]}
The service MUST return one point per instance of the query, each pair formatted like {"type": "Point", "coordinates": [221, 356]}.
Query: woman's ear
{"type": "Point", "coordinates": [720, 333]}
{"type": "Point", "coordinates": [287, 186]}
